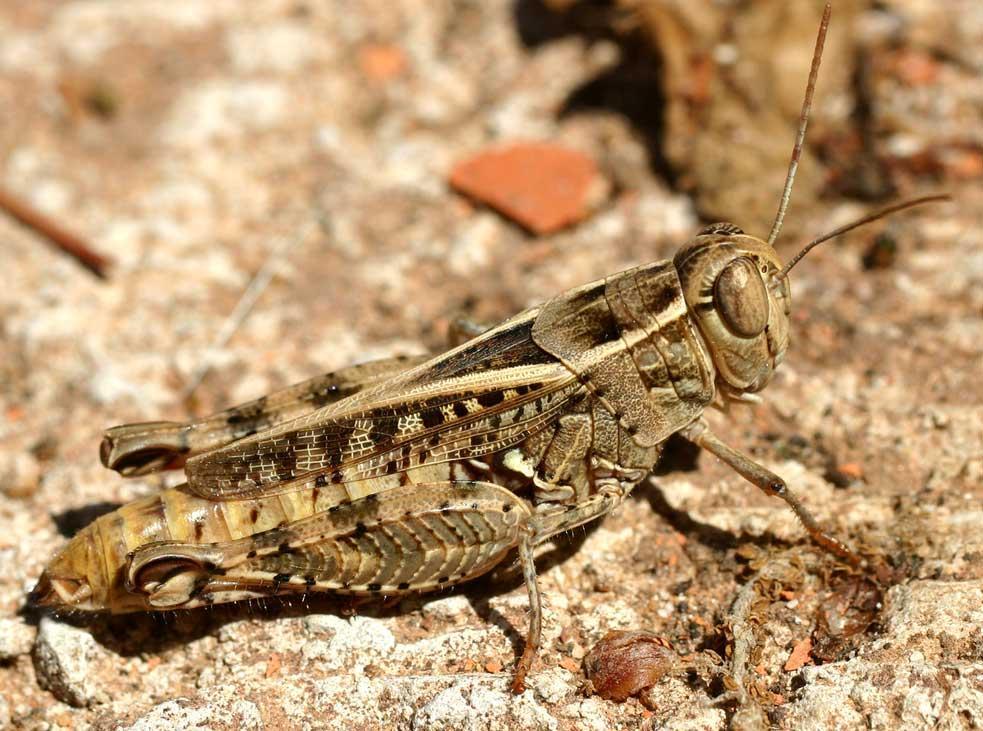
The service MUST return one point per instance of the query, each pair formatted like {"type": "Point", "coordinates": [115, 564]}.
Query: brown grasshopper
{"type": "Point", "coordinates": [412, 475]}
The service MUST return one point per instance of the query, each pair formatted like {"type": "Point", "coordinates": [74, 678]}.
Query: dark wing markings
{"type": "Point", "coordinates": [364, 426]}
{"type": "Point", "coordinates": [368, 442]}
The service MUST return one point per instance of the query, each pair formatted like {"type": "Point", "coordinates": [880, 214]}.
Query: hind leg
{"type": "Point", "coordinates": [535, 630]}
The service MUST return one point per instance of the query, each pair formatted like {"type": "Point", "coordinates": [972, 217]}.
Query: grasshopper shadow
{"type": "Point", "coordinates": [631, 88]}
{"type": "Point", "coordinates": [71, 521]}
{"type": "Point", "coordinates": [681, 455]}
{"type": "Point", "coordinates": [709, 536]}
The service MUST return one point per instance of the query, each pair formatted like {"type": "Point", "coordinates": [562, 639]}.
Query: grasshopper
{"type": "Point", "coordinates": [413, 475]}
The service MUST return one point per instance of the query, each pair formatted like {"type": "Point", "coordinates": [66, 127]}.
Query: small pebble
{"type": "Point", "coordinates": [63, 657]}
{"type": "Point", "coordinates": [381, 62]}
{"type": "Point", "coordinates": [20, 474]}
{"type": "Point", "coordinates": [493, 666]}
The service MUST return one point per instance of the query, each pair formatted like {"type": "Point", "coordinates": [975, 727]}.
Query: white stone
{"type": "Point", "coordinates": [218, 110]}
{"type": "Point", "coordinates": [63, 658]}
{"type": "Point", "coordinates": [360, 638]}
{"type": "Point", "coordinates": [276, 47]}
{"type": "Point", "coordinates": [552, 685]}
{"type": "Point", "coordinates": [448, 607]}
{"type": "Point", "coordinates": [472, 705]}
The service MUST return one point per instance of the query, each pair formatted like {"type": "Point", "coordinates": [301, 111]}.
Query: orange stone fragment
{"type": "Point", "coordinates": [801, 654]}
{"type": "Point", "coordinates": [273, 666]}
{"type": "Point", "coordinates": [917, 68]}
{"type": "Point", "coordinates": [853, 470]}
{"type": "Point", "coordinates": [541, 186]}
{"type": "Point", "coordinates": [381, 62]}
{"type": "Point", "coordinates": [493, 666]}
{"type": "Point", "coordinates": [965, 164]}
{"type": "Point", "coordinates": [568, 663]}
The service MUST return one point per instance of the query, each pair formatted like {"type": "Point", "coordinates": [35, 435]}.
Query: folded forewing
{"type": "Point", "coordinates": [483, 397]}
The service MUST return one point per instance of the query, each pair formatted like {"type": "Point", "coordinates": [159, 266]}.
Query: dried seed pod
{"type": "Point", "coordinates": [848, 611]}
{"type": "Point", "coordinates": [624, 664]}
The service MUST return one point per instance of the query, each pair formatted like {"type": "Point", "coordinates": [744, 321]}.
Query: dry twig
{"type": "Point", "coordinates": [59, 237]}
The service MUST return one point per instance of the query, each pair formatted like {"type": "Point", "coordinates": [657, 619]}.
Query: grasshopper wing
{"type": "Point", "coordinates": [480, 398]}
{"type": "Point", "coordinates": [143, 448]}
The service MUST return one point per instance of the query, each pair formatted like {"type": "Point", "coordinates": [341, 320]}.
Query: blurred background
{"type": "Point", "coordinates": [257, 192]}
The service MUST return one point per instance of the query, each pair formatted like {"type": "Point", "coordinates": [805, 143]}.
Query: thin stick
{"type": "Point", "coordinates": [254, 290]}
{"type": "Point", "coordinates": [859, 222]}
{"type": "Point", "coordinates": [59, 237]}
{"type": "Point", "coordinates": [803, 123]}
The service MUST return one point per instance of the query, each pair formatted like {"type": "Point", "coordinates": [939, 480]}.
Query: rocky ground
{"type": "Point", "coordinates": [200, 143]}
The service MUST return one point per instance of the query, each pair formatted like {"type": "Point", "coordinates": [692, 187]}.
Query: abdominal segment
{"type": "Point", "coordinates": [418, 538]}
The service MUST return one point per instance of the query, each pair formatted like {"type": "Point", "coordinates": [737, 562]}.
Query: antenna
{"type": "Point", "coordinates": [859, 222]}
{"type": "Point", "coordinates": [803, 122]}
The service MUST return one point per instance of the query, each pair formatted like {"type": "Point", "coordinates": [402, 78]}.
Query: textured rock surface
{"type": "Point", "coordinates": [925, 671]}
{"type": "Point", "coordinates": [65, 660]}
{"type": "Point", "coordinates": [189, 140]}
{"type": "Point", "coordinates": [16, 639]}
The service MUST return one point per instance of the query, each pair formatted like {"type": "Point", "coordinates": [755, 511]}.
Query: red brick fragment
{"type": "Point", "coordinates": [541, 186]}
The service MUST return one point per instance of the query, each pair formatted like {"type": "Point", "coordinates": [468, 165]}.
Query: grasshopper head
{"type": "Point", "coordinates": [735, 289]}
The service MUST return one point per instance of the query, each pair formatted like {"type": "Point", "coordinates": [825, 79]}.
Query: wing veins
{"type": "Point", "coordinates": [238, 463]}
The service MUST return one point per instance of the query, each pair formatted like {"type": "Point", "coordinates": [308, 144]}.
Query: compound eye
{"type": "Point", "coordinates": [740, 297]}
